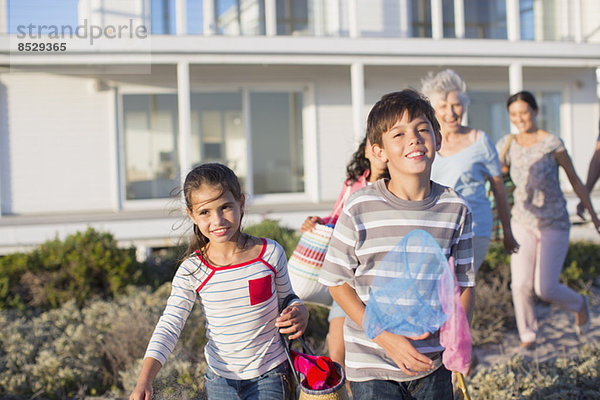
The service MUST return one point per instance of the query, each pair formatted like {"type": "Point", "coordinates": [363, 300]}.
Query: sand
{"type": "Point", "coordinates": [556, 337]}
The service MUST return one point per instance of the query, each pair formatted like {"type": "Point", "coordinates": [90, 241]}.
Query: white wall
{"type": "Point", "coordinates": [59, 138]}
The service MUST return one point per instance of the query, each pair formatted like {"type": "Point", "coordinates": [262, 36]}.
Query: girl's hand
{"type": "Point", "coordinates": [293, 319]}
{"type": "Point", "coordinates": [406, 357]}
{"type": "Point", "coordinates": [142, 392]}
{"type": "Point", "coordinates": [309, 223]}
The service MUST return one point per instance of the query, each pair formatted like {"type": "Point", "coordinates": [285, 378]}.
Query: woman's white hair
{"type": "Point", "coordinates": [436, 86]}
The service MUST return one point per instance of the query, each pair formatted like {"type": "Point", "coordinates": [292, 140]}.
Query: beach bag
{"type": "Point", "coordinates": [414, 292]}
{"type": "Point", "coordinates": [305, 264]}
{"type": "Point", "coordinates": [307, 259]}
{"type": "Point", "coordinates": [315, 377]}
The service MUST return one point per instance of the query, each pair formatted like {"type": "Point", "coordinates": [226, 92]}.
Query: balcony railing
{"type": "Point", "coordinates": [559, 20]}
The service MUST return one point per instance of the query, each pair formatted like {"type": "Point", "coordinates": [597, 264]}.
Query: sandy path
{"type": "Point", "coordinates": [557, 337]}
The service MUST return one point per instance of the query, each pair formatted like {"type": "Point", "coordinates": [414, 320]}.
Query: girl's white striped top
{"type": "Point", "coordinates": [240, 303]}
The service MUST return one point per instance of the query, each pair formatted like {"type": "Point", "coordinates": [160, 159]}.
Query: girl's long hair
{"type": "Point", "coordinates": [359, 164]}
{"type": "Point", "coordinates": [214, 175]}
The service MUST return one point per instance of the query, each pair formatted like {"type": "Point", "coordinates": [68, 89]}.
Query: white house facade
{"type": "Point", "coordinates": [99, 128]}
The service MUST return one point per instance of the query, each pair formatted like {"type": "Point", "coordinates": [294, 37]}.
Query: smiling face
{"type": "Point", "coordinates": [522, 116]}
{"type": "Point", "coordinates": [409, 147]}
{"type": "Point", "coordinates": [217, 215]}
{"type": "Point", "coordinates": [449, 112]}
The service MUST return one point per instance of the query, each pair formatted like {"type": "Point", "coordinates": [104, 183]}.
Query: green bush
{"type": "Point", "coordinates": [563, 378]}
{"type": "Point", "coordinates": [84, 265]}
{"type": "Point", "coordinates": [582, 265]}
{"type": "Point", "coordinates": [72, 352]}
{"type": "Point", "coordinates": [268, 228]}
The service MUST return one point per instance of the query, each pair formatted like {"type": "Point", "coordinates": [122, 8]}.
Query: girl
{"type": "Point", "coordinates": [239, 281]}
{"type": "Point", "coordinates": [362, 170]}
{"type": "Point", "coordinates": [539, 218]}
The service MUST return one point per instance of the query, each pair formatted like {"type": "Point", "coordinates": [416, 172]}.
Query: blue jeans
{"type": "Point", "coordinates": [435, 386]}
{"type": "Point", "coordinates": [273, 385]}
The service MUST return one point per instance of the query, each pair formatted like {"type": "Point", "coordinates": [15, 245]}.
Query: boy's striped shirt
{"type": "Point", "coordinates": [372, 222]}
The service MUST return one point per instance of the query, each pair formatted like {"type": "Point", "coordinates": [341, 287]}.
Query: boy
{"type": "Point", "coordinates": [405, 135]}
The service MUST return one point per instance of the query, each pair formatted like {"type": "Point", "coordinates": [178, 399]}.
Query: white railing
{"type": "Point", "coordinates": [562, 20]}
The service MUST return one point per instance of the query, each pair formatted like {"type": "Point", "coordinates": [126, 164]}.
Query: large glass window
{"type": "Point", "coordinates": [218, 133]}
{"type": "Point", "coordinates": [487, 111]}
{"type": "Point", "coordinates": [277, 142]}
{"type": "Point", "coordinates": [150, 141]}
{"type": "Point", "coordinates": [485, 19]}
{"type": "Point", "coordinates": [549, 116]}
{"type": "Point", "coordinates": [240, 17]}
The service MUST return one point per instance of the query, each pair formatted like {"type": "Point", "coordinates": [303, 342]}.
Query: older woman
{"type": "Point", "coordinates": [466, 160]}
{"type": "Point", "coordinates": [540, 219]}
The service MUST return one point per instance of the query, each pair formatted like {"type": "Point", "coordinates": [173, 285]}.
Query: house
{"type": "Point", "coordinates": [106, 104]}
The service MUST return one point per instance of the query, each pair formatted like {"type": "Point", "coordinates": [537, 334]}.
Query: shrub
{"type": "Point", "coordinates": [70, 351]}
{"type": "Point", "coordinates": [582, 265]}
{"type": "Point", "coordinates": [563, 378]}
{"type": "Point", "coordinates": [268, 228]}
{"type": "Point", "coordinates": [84, 265]}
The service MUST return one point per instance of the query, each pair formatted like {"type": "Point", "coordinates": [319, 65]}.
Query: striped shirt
{"type": "Point", "coordinates": [240, 303]}
{"type": "Point", "coordinates": [372, 222]}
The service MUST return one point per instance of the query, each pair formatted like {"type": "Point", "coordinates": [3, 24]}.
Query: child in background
{"type": "Point", "coordinates": [405, 135]}
{"type": "Point", "coordinates": [362, 170]}
{"type": "Point", "coordinates": [240, 281]}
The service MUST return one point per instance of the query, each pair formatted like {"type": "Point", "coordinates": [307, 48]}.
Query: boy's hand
{"type": "Point", "coordinates": [295, 318]}
{"type": "Point", "coordinates": [406, 357]}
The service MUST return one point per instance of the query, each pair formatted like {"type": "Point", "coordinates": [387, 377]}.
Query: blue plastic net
{"type": "Point", "coordinates": [412, 290]}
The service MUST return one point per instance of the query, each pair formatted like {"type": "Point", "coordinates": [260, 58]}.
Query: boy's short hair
{"type": "Point", "coordinates": [390, 108]}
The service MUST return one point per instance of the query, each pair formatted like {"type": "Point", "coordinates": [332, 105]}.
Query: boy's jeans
{"type": "Point", "coordinates": [273, 385]}
{"type": "Point", "coordinates": [435, 386]}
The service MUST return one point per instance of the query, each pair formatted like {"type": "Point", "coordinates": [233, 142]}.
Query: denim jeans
{"type": "Point", "coordinates": [273, 385]}
{"type": "Point", "coordinates": [435, 386]}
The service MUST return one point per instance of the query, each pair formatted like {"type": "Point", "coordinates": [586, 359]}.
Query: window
{"type": "Point", "coordinates": [527, 22]}
{"type": "Point", "coordinates": [292, 17]}
{"type": "Point", "coordinates": [277, 142]}
{"type": "Point", "coordinates": [240, 17]}
{"type": "Point", "coordinates": [421, 18]}
{"type": "Point", "coordinates": [224, 128]}
{"type": "Point", "coordinates": [218, 133]}
{"type": "Point", "coordinates": [150, 141]}
{"type": "Point", "coordinates": [485, 19]}
{"type": "Point", "coordinates": [549, 116]}
{"type": "Point", "coordinates": [162, 17]}
{"type": "Point", "coordinates": [487, 111]}
{"type": "Point", "coordinates": [448, 18]}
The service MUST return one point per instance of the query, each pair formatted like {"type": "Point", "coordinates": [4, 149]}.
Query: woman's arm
{"type": "Point", "coordinates": [563, 159]}
{"type": "Point", "coordinates": [592, 176]}
{"type": "Point", "coordinates": [497, 186]}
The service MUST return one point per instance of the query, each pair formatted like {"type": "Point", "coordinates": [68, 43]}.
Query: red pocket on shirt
{"type": "Point", "coordinates": [260, 289]}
